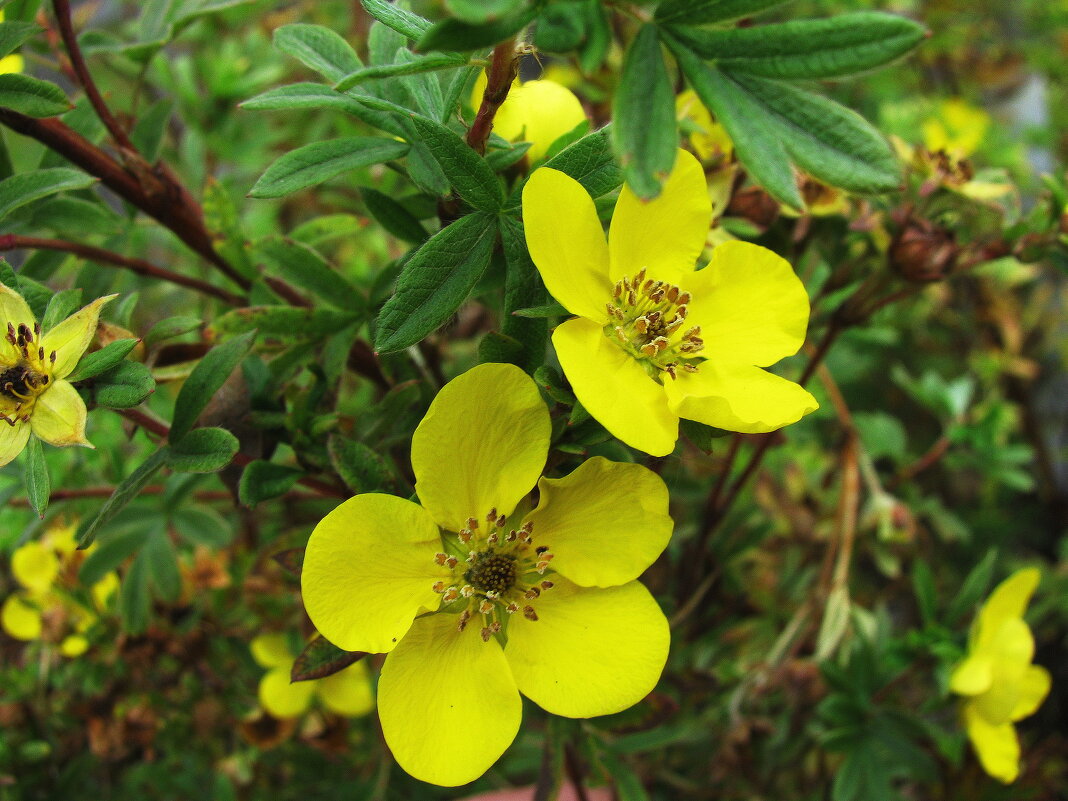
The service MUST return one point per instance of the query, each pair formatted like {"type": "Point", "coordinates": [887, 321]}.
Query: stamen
{"type": "Point", "coordinates": [529, 613]}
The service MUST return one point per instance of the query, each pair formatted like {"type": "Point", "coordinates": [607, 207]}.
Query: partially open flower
{"type": "Point", "coordinates": [1000, 684]}
{"type": "Point", "coordinates": [475, 599]}
{"type": "Point", "coordinates": [958, 128]}
{"type": "Point", "coordinates": [34, 397]}
{"type": "Point", "coordinates": [539, 112]}
{"type": "Point", "coordinates": [655, 339]}
{"type": "Point", "coordinates": [12, 62]}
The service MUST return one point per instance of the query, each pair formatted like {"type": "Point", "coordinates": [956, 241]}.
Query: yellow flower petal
{"type": "Point", "coordinates": [615, 389]}
{"type": "Point", "coordinates": [1034, 687]}
{"type": "Point", "coordinates": [20, 619]}
{"type": "Point", "coordinates": [972, 676]}
{"type": "Point", "coordinates": [539, 112]}
{"type": "Point", "coordinates": [59, 416]}
{"type": "Point", "coordinates": [481, 446]}
{"type": "Point", "coordinates": [996, 746]}
{"type": "Point", "coordinates": [368, 570]}
{"type": "Point", "coordinates": [567, 242]}
{"type": "Point", "coordinates": [71, 337]}
{"type": "Point", "coordinates": [1008, 601]}
{"type": "Point", "coordinates": [1010, 655]}
{"type": "Point", "coordinates": [13, 439]}
{"type": "Point", "coordinates": [104, 589]}
{"type": "Point", "coordinates": [271, 651]}
{"type": "Point", "coordinates": [13, 309]}
{"type": "Point", "coordinates": [606, 522]}
{"type": "Point", "coordinates": [282, 698]}
{"type": "Point", "coordinates": [35, 566]}
{"type": "Point", "coordinates": [11, 63]}
{"type": "Point", "coordinates": [347, 692]}
{"type": "Point", "coordinates": [447, 701]}
{"type": "Point", "coordinates": [738, 398]}
{"type": "Point", "coordinates": [73, 645]}
{"type": "Point", "coordinates": [665, 234]}
{"type": "Point", "coordinates": [712, 138]}
{"type": "Point", "coordinates": [592, 651]}
{"type": "Point", "coordinates": [751, 307]}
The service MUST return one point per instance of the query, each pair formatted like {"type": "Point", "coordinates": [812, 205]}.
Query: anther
{"type": "Point", "coordinates": [439, 587]}
{"type": "Point", "coordinates": [547, 585]}
{"type": "Point", "coordinates": [684, 298]}
{"type": "Point", "coordinates": [529, 613]}
{"type": "Point", "coordinates": [541, 549]}
{"type": "Point", "coordinates": [485, 607]}
{"type": "Point", "coordinates": [450, 595]}
{"type": "Point", "coordinates": [501, 521]}
{"type": "Point", "coordinates": [472, 523]}
{"type": "Point", "coordinates": [467, 591]}
{"type": "Point", "coordinates": [673, 293]}
{"type": "Point", "coordinates": [532, 594]}
{"type": "Point", "coordinates": [512, 608]}
{"type": "Point", "coordinates": [440, 558]}
{"type": "Point", "coordinates": [464, 617]}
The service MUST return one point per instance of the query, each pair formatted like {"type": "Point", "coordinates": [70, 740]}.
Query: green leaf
{"type": "Point", "coordinates": [561, 27]}
{"type": "Point", "coordinates": [110, 552]}
{"type": "Point", "coordinates": [32, 96]}
{"type": "Point", "coordinates": [470, 175]}
{"type": "Point", "coordinates": [202, 526]}
{"type": "Point", "coordinates": [171, 327]}
{"type": "Point", "coordinates": [701, 12]}
{"type": "Point", "coordinates": [974, 587]}
{"type": "Point", "coordinates": [100, 361]}
{"type": "Point", "coordinates": [923, 587]}
{"type": "Point", "coordinates": [756, 142]}
{"type": "Point", "coordinates": [645, 133]}
{"type": "Point", "coordinates": [283, 322]}
{"type": "Point", "coordinates": [418, 64]}
{"type": "Point", "coordinates": [321, 658]}
{"type": "Point", "coordinates": [455, 34]}
{"type": "Point", "coordinates": [125, 492]}
{"type": "Point", "coordinates": [360, 468]}
{"type": "Point", "coordinates": [26, 187]}
{"type": "Point", "coordinates": [14, 33]}
{"type": "Point", "coordinates": [205, 380]}
{"type": "Point", "coordinates": [319, 161]}
{"type": "Point", "coordinates": [135, 604]}
{"type": "Point", "coordinates": [435, 281]}
{"type": "Point", "coordinates": [305, 96]}
{"type": "Point", "coordinates": [590, 161]}
{"type": "Point", "coordinates": [318, 48]}
{"type": "Point", "coordinates": [163, 566]}
{"type": "Point", "coordinates": [124, 386]}
{"type": "Point", "coordinates": [399, 19]}
{"type": "Point", "coordinates": [61, 306]}
{"type": "Point", "coordinates": [38, 486]}
{"type": "Point", "coordinates": [262, 480]}
{"type": "Point", "coordinates": [304, 268]}
{"type": "Point", "coordinates": [202, 450]}
{"type": "Point", "coordinates": [75, 217]}
{"type": "Point", "coordinates": [801, 49]}
{"type": "Point", "coordinates": [479, 11]}
{"type": "Point", "coordinates": [523, 288]}
{"type": "Point", "coordinates": [392, 216]}
{"type": "Point", "coordinates": [147, 135]}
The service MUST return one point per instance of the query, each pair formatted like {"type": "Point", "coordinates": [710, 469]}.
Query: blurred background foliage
{"type": "Point", "coordinates": [815, 621]}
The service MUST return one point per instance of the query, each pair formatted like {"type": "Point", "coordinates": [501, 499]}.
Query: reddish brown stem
{"type": "Point", "coordinates": [503, 68]}
{"type": "Point", "coordinates": [139, 266]}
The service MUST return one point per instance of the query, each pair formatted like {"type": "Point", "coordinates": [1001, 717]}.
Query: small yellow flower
{"type": "Point", "coordinates": [997, 678]}
{"type": "Point", "coordinates": [539, 112]}
{"type": "Point", "coordinates": [347, 693]}
{"type": "Point", "coordinates": [636, 355]}
{"type": "Point", "coordinates": [10, 63]}
{"type": "Point", "coordinates": [958, 128]}
{"type": "Point", "coordinates": [708, 138]}
{"type": "Point", "coordinates": [34, 398]}
{"type": "Point", "coordinates": [43, 568]}
{"type": "Point", "coordinates": [475, 599]}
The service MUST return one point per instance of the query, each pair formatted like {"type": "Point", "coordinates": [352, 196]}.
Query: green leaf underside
{"type": "Point", "coordinates": [435, 281]}
{"type": "Point", "coordinates": [401, 20]}
{"type": "Point", "coordinates": [318, 48]}
{"type": "Point", "coordinates": [320, 161]}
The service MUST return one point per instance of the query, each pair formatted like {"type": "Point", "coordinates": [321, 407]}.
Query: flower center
{"type": "Point", "coordinates": [648, 320]}
{"type": "Point", "coordinates": [28, 377]}
{"type": "Point", "coordinates": [503, 573]}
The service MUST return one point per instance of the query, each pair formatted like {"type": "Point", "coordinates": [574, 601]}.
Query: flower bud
{"type": "Point", "coordinates": [922, 251]}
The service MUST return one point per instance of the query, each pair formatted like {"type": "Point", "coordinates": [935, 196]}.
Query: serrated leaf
{"type": "Point", "coordinates": [645, 132]}
{"type": "Point", "coordinates": [26, 187]}
{"type": "Point", "coordinates": [38, 485]}
{"type": "Point", "coordinates": [392, 216]}
{"type": "Point", "coordinates": [435, 281]}
{"type": "Point", "coordinates": [418, 64]}
{"type": "Point", "coordinates": [590, 161]}
{"type": "Point", "coordinates": [202, 450]}
{"type": "Point", "coordinates": [320, 161]}
{"type": "Point", "coordinates": [470, 175]}
{"type": "Point", "coordinates": [99, 361]}
{"type": "Point", "coordinates": [803, 49]}
{"type": "Point", "coordinates": [124, 386]}
{"type": "Point", "coordinates": [701, 12]}
{"type": "Point", "coordinates": [318, 48]}
{"type": "Point", "coordinates": [399, 19]}
{"type": "Point", "coordinates": [321, 658]}
{"type": "Point", "coordinates": [457, 35]}
{"type": "Point", "coordinates": [32, 96]}
{"type": "Point", "coordinates": [209, 374]}
{"type": "Point", "coordinates": [263, 480]}
{"type": "Point", "coordinates": [125, 492]}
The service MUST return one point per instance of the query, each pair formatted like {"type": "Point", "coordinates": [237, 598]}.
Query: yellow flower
{"type": "Point", "coordinates": [477, 599]}
{"type": "Point", "coordinates": [636, 355]}
{"type": "Point", "coordinates": [958, 128]}
{"type": "Point", "coordinates": [33, 395]}
{"type": "Point", "coordinates": [42, 568]}
{"type": "Point", "coordinates": [707, 137]}
{"type": "Point", "coordinates": [347, 692]}
{"type": "Point", "coordinates": [13, 62]}
{"type": "Point", "coordinates": [539, 112]}
{"type": "Point", "coordinates": [1000, 683]}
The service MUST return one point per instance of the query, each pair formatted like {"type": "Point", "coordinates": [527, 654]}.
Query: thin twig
{"type": "Point", "coordinates": [503, 69]}
{"type": "Point", "coordinates": [100, 255]}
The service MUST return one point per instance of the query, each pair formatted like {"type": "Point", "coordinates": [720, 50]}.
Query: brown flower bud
{"type": "Point", "coordinates": [922, 251]}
